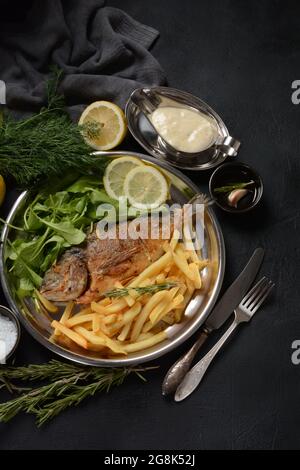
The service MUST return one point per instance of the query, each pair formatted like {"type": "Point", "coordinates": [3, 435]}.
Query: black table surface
{"type": "Point", "coordinates": [241, 59]}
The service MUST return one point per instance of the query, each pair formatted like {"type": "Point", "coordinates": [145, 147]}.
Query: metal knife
{"type": "Point", "coordinates": [216, 319]}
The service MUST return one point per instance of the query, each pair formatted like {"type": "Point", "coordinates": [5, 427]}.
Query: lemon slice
{"type": "Point", "coordinates": [115, 174]}
{"type": "Point", "coordinates": [146, 187]}
{"type": "Point", "coordinates": [2, 189]}
{"type": "Point", "coordinates": [111, 122]}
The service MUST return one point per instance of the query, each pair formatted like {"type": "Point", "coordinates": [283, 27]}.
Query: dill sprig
{"type": "Point", "coordinates": [232, 186]}
{"type": "Point", "coordinates": [45, 145]}
{"type": "Point", "coordinates": [67, 385]}
{"type": "Point", "coordinates": [152, 289]}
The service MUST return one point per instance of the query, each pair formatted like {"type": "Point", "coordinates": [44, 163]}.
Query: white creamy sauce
{"type": "Point", "coordinates": [186, 130]}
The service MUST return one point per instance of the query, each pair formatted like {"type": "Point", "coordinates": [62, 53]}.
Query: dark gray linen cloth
{"type": "Point", "coordinates": [103, 52]}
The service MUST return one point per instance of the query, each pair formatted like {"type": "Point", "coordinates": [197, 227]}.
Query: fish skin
{"type": "Point", "coordinates": [67, 279]}
{"type": "Point", "coordinates": [102, 263]}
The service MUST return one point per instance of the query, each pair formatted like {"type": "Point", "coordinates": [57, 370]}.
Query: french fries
{"type": "Point", "coordinates": [136, 321]}
{"type": "Point", "coordinates": [73, 335]}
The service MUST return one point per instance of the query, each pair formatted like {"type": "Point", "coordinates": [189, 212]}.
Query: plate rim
{"type": "Point", "coordinates": [130, 361]}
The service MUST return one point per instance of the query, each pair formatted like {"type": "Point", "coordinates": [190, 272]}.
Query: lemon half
{"type": "Point", "coordinates": [111, 121]}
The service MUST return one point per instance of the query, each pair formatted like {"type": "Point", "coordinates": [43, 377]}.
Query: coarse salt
{"type": "Point", "coordinates": [8, 337]}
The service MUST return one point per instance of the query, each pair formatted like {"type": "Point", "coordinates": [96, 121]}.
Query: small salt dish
{"type": "Point", "coordinates": [245, 183]}
{"type": "Point", "coordinates": [7, 313]}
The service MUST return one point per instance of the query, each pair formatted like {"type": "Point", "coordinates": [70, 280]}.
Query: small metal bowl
{"type": "Point", "coordinates": [6, 312]}
{"type": "Point", "coordinates": [231, 173]}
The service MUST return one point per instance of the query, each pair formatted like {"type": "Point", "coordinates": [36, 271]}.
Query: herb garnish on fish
{"type": "Point", "coordinates": [152, 289]}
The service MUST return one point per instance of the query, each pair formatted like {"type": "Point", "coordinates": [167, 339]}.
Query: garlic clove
{"type": "Point", "coordinates": [235, 196]}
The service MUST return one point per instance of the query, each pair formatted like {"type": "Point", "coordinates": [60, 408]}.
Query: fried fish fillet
{"type": "Point", "coordinates": [84, 274]}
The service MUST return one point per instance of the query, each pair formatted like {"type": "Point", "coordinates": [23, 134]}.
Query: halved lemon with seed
{"type": "Point", "coordinates": [104, 125]}
{"type": "Point", "coordinates": [115, 174]}
{"type": "Point", "coordinates": [146, 187]}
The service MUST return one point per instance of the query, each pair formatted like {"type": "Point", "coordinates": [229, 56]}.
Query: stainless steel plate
{"type": "Point", "coordinates": [38, 325]}
{"type": "Point", "coordinates": [147, 137]}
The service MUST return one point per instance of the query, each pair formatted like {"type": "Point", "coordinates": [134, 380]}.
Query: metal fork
{"type": "Point", "coordinates": [243, 313]}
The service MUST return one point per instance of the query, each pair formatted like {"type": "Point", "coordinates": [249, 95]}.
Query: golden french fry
{"type": "Point", "coordinates": [168, 268]}
{"type": "Point", "coordinates": [109, 319]}
{"type": "Point", "coordinates": [104, 302]}
{"type": "Point", "coordinates": [190, 285]}
{"type": "Point", "coordinates": [146, 343]}
{"type": "Point", "coordinates": [203, 264]}
{"type": "Point", "coordinates": [182, 288]}
{"type": "Point", "coordinates": [144, 336]}
{"type": "Point", "coordinates": [124, 332]}
{"type": "Point", "coordinates": [84, 311]}
{"type": "Point", "coordinates": [100, 340]}
{"type": "Point", "coordinates": [104, 329]}
{"type": "Point", "coordinates": [74, 336]}
{"type": "Point", "coordinates": [166, 246]}
{"type": "Point", "coordinates": [153, 269]}
{"type": "Point", "coordinates": [181, 263]}
{"type": "Point", "coordinates": [158, 315]}
{"type": "Point", "coordinates": [144, 314]}
{"type": "Point", "coordinates": [67, 312]}
{"type": "Point", "coordinates": [113, 345]}
{"type": "Point", "coordinates": [90, 336]}
{"type": "Point", "coordinates": [130, 314]}
{"type": "Point", "coordinates": [197, 278]}
{"type": "Point", "coordinates": [88, 325]}
{"type": "Point", "coordinates": [49, 306]}
{"type": "Point", "coordinates": [129, 300]}
{"type": "Point", "coordinates": [134, 294]}
{"type": "Point", "coordinates": [78, 319]}
{"type": "Point", "coordinates": [144, 298]}
{"type": "Point", "coordinates": [65, 316]}
{"type": "Point", "coordinates": [169, 318]}
{"type": "Point", "coordinates": [179, 311]}
{"type": "Point", "coordinates": [155, 313]}
{"type": "Point", "coordinates": [178, 314]}
{"type": "Point", "coordinates": [96, 323]}
{"type": "Point", "coordinates": [174, 239]}
{"type": "Point", "coordinates": [114, 307]}
{"type": "Point", "coordinates": [189, 245]}
{"type": "Point", "coordinates": [160, 278]}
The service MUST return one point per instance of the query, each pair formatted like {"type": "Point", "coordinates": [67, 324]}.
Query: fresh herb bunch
{"type": "Point", "coordinates": [152, 289]}
{"type": "Point", "coordinates": [46, 145]}
{"type": "Point", "coordinates": [67, 385]}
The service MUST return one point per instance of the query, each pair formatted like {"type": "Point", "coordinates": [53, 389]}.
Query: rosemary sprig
{"type": "Point", "coordinates": [68, 385]}
{"type": "Point", "coordinates": [121, 292]}
{"type": "Point", "coordinates": [232, 186]}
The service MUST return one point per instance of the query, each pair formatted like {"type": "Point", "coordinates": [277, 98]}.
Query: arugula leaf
{"type": "Point", "coordinates": [66, 229]}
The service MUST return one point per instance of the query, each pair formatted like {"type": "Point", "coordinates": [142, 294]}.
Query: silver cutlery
{"type": "Point", "coordinates": [216, 319]}
{"type": "Point", "coordinates": [243, 313]}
